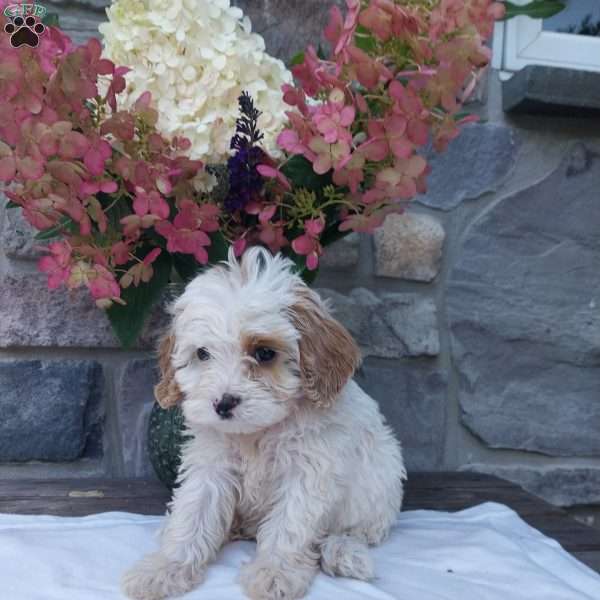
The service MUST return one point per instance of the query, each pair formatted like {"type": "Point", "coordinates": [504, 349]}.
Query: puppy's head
{"type": "Point", "coordinates": [249, 344]}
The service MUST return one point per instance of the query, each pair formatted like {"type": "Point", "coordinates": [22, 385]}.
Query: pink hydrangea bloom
{"type": "Point", "coordinates": [272, 172]}
{"type": "Point", "coordinates": [187, 233]}
{"type": "Point", "coordinates": [388, 136]}
{"type": "Point", "coordinates": [332, 121]}
{"type": "Point", "coordinates": [328, 156]}
{"type": "Point", "coordinates": [103, 286]}
{"type": "Point", "coordinates": [308, 244]}
{"type": "Point", "coordinates": [150, 203]}
{"type": "Point", "coordinates": [56, 264]}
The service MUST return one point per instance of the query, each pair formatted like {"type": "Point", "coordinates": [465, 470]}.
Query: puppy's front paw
{"type": "Point", "coordinates": [266, 581]}
{"type": "Point", "coordinates": [156, 577]}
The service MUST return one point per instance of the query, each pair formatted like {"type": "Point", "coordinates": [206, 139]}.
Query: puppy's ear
{"type": "Point", "coordinates": [328, 354]}
{"type": "Point", "coordinates": [167, 392]}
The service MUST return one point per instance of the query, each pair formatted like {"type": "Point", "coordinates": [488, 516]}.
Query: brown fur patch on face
{"type": "Point", "coordinates": [251, 342]}
{"type": "Point", "coordinates": [328, 354]}
{"type": "Point", "coordinates": [167, 392]}
{"type": "Point", "coordinates": [274, 374]}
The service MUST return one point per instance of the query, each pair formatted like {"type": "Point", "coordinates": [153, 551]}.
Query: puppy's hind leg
{"type": "Point", "coordinates": [346, 556]}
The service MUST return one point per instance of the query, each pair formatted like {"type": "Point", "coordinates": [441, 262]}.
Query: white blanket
{"type": "Point", "coordinates": [484, 553]}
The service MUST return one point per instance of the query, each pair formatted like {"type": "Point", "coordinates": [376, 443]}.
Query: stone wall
{"type": "Point", "coordinates": [478, 313]}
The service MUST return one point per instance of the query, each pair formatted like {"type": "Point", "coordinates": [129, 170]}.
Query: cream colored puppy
{"type": "Point", "coordinates": [286, 448]}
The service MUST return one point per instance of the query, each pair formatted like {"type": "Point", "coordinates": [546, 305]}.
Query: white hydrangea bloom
{"type": "Point", "coordinates": [196, 57]}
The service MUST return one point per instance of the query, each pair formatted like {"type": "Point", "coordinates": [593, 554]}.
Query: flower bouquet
{"type": "Point", "coordinates": [142, 161]}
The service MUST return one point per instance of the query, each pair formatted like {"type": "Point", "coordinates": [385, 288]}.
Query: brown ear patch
{"type": "Point", "coordinates": [328, 353]}
{"type": "Point", "coordinates": [166, 391]}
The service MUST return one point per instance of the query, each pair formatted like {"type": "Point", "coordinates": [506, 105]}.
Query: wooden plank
{"type": "Point", "coordinates": [107, 488]}
{"type": "Point", "coordinates": [591, 559]}
{"type": "Point", "coordinates": [68, 497]}
{"type": "Point", "coordinates": [64, 507]}
{"type": "Point", "coordinates": [572, 535]}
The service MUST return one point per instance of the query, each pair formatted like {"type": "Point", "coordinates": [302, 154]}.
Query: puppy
{"type": "Point", "coordinates": [285, 449]}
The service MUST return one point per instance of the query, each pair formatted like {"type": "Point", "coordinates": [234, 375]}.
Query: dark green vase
{"type": "Point", "coordinates": [165, 437]}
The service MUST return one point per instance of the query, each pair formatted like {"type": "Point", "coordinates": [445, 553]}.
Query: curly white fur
{"type": "Point", "coordinates": [304, 463]}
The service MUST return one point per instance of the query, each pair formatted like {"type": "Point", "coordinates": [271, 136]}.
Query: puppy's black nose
{"type": "Point", "coordinates": [226, 404]}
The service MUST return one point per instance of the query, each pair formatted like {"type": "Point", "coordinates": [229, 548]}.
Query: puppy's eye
{"type": "Point", "coordinates": [264, 355]}
{"type": "Point", "coordinates": [203, 354]}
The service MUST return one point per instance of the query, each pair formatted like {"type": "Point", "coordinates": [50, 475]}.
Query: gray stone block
{"type": "Point", "coordinates": [545, 90]}
{"type": "Point", "coordinates": [389, 325]}
{"type": "Point", "coordinates": [288, 26]}
{"type": "Point", "coordinates": [79, 19]}
{"type": "Point", "coordinates": [33, 315]}
{"type": "Point", "coordinates": [135, 398]}
{"type": "Point", "coordinates": [343, 254]}
{"type": "Point", "coordinates": [560, 486]}
{"type": "Point", "coordinates": [412, 397]}
{"type": "Point", "coordinates": [524, 312]}
{"type": "Point", "coordinates": [17, 236]}
{"type": "Point", "coordinates": [409, 246]}
{"type": "Point", "coordinates": [49, 409]}
{"type": "Point", "coordinates": [475, 163]}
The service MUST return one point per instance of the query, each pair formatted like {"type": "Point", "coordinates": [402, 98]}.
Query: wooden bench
{"type": "Point", "coordinates": [434, 491]}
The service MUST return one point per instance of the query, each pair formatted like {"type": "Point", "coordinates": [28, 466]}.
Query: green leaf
{"type": "Point", "coordinates": [300, 172]}
{"type": "Point", "coordinates": [51, 20]}
{"type": "Point", "coordinates": [187, 266]}
{"type": "Point", "coordinates": [537, 9]}
{"type": "Point", "coordinates": [56, 231]}
{"type": "Point", "coordinates": [219, 248]}
{"type": "Point", "coordinates": [297, 59]}
{"type": "Point", "coordinates": [118, 210]}
{"type": "Point", "coordinates": [365, 40]}
{"type": "Point", "coordinates": [11, 204]}
{"type": "Point", "coordinates": [309, 276]}
{"type": "Point", "coordinates": [128, 321]}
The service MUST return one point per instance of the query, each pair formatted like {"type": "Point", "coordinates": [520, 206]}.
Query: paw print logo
{"type": "Point", "coordinates": [24, 32]}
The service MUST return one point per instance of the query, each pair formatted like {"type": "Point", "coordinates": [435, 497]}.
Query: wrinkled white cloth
{"type": "Point", "coordinates": [483, 553]}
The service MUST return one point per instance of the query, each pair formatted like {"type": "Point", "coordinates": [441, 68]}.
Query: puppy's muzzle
{"type": "Point", "coordinates": [224, 407]}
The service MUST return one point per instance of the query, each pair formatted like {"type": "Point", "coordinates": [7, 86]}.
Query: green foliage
{"type": "Point", "coordinates": [128, 320]}
{"type": "Point", "coordinates": [297, 59]}
{"type": "Point", "coordinates": [186, 265]}
{"type": "Point", "coordinates": [115, 210]}
{"type": "Point", "coordinates": [536, 9]}
{"type": "Point", "coordinates": [11, 204]}
{"type": "Point", "coordinates": [365, 40]}
{"type": "Point", "coordinates": [299, 171]}
{"type": "Point", "coordinates": [218, 249]}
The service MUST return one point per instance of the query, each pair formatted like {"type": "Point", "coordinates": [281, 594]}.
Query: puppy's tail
{"type": "Point", "coordinates": [346, 556]}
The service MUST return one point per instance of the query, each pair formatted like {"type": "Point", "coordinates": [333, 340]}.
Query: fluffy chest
{"type": "Point", "coordinates": [258, 478]}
